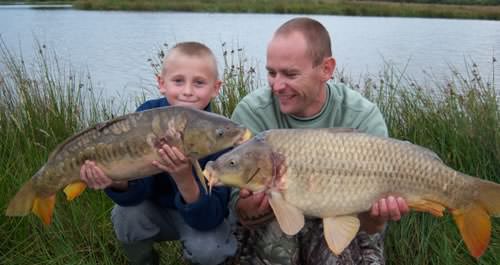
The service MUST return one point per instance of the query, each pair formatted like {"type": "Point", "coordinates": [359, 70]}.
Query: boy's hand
{"type": "Point", "coordinates": [173, 161]}
{"type": "Point", "coordinates": [96, 179]}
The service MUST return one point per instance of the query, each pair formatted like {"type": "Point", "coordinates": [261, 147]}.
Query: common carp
{"type": "Point", "coordinates": [124, 149]}
{"type": "Point", "coordinates": [334, 174]}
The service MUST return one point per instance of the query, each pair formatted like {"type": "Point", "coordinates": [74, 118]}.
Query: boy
{"type": "Point", "coordinates": [172, 205]}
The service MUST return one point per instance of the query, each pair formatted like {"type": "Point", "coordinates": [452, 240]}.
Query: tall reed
{"type": "Point", "coordinates": [459, 119]}
{"type": "Point", "coordinates": [43, 103]}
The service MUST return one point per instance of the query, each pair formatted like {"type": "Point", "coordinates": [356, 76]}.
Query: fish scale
{"type": "Point", "coordinates": [335, 174]}
{"type": "Point", "coordinates": [124, 149]}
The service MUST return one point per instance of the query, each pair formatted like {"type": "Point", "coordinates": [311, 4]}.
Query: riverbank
{"type": "Point", "coordinates": [44, 103]}
{"type": "Point", "coordinates": [329, 7]}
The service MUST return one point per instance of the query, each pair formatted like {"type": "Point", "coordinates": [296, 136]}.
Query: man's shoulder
{"type": "Point", "coordinates": [350, 98]}
{"type": "Point", "coordinates": [153, 103]}
{"type": "Point", "coordinates": [259, 98]}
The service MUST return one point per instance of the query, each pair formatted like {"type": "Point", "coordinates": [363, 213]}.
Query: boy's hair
{"type": "Point", "coordinates": [315, 34]}
{"type": "Point", "coordinates": [191, 48]}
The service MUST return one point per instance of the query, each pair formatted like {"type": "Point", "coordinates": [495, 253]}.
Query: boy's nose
{"type": "Point", "coordinates": [188, 89]}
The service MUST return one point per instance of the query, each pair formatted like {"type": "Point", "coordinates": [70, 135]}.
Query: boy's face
{"type": "Point", "coordinates": [189, 80]}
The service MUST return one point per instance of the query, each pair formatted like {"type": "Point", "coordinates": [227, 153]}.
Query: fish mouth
{"type": "Point", "coordinates": [245, 137]}
{"type": "Point", "coordinates": [211, 179]}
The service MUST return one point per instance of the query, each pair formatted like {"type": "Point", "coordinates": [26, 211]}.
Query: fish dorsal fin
{"type": "Point", "coordinates": [339, 231]}
{"type": "Point", "coordinates": [474, 225]}
{"type": "Point", "coordinates": [98, 127]}
{"type": "Point", "coordinates": [290, 219]}
{"type": "Point", "coordinates": [341, 130]}
{"type": "Point", "coordinates": [199, 173]}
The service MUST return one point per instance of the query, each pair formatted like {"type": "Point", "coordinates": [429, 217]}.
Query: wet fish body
{"type": "Point", "coordinates": [124, 149]}
{"type": "Point", "coordinates": [334, 174]}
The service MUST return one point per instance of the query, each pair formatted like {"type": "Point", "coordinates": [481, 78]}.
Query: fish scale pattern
{"type": "Point", "coordinates": [342, 173]}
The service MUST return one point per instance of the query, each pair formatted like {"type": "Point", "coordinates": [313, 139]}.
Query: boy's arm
{"type": "Point", "coordinates": [209, 210]}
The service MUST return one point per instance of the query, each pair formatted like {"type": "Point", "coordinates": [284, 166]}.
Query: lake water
{"type": "Point", "coordinates": [115, 46]}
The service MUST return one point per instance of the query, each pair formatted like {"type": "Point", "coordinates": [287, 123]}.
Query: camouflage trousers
{"type": "Point", "coordinates": [267, 245]}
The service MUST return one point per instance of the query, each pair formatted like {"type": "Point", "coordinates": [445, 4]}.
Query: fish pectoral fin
{"type": "Point", "coordinates": [339, 231]}
{"type": "Point", "coordinates": [290, 219]}
{"type": "Point", "coordinates": [431, 207]}
{"type": "Point", "coordinates": [474, 225]}
{"type": "Point", "coordinates": [44, 207]}
{"type": "Point", "coordinates": [74, 190]}
{"type": "Point", "coordinates": [199, 173]}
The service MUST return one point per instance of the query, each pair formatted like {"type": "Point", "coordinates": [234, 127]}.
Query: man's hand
{"type": "Point", "coordinates": [175, 163]}
{"type": "Point", "coordinates": [253, 209]}
{"type": "Point", "coordinates": [95, 178]}
{"type": "Point", "coordinates": [390, 208]}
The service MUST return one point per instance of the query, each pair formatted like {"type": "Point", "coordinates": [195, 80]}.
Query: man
{"type": "Point", "coordinates": [299, 65]}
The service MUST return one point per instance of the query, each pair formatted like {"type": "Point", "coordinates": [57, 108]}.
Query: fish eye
{"type": "Point", "coordinates": [219, 132]}
{"type": "Point", "coordinates": [232, 163]}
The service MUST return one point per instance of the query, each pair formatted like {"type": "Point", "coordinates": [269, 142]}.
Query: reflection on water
{"type": "Point", "coordinates": [115, 46]}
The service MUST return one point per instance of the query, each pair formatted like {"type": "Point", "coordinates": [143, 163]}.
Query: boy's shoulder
{"type": "Point", "coordinates": [153, 103]}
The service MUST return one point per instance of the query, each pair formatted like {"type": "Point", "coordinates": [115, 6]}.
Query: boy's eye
{"type": "Point", "coordinates": [178, 81]}
{"type": "Point", "coordinates": [199, 83]}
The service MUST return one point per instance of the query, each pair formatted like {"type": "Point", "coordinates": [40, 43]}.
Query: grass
{"type": "Point", "coordinates": [43, 103]}
{"type": "Point", "coordinates": [465, 9]}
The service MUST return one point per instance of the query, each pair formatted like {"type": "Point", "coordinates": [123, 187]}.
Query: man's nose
{"type": "Point", "coordinates": [278, 83]}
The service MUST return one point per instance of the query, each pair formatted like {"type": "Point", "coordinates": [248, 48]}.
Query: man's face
{"type": "Point", "coordinates": [298, 85]}
{"type": "Point", "coordinates": [189, 80]}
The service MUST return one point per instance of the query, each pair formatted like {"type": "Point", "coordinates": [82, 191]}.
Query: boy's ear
{"type": "Point", "coordinates": [160, 82]}
{"type": "Point", "coordinates": [217, 86]}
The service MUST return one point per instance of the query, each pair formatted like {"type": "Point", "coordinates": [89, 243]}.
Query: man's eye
{"type": "Point", "coordinates": [271, 73]}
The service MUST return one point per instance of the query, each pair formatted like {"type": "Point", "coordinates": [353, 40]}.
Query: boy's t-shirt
{"type": "Point", "coordinates": [205, 214]}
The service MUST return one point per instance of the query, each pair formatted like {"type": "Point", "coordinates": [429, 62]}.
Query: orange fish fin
{"type": "Point", "coordinates": [43, 208]}
{"type": "Point", "coordinates": [74, 190]}
{"type": "Point", "coordinates": [290, 219]}
{"type": "Point", "coordinates": [339, 231]}
{"type": "Point", "coordinates": [475, 227]}
{"type": "Point", "coordinates": [22, 202]}
{"type": "Point", "coordinates": [431, 207]}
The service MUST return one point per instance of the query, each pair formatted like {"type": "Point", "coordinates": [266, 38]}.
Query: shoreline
{"type": "Point", "coordinates": [327, 7]}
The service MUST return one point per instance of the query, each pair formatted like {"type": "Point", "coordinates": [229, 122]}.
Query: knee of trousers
{"type": "Point", "coordinates": [210, 247]}
{"type": "Point", "coordinates": [134, 223]}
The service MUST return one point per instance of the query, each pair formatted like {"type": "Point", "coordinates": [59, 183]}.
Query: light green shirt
{"type": "Point", "coordinates": [260, 111]}
{"type": "Point", "coordinates": [344, 107]}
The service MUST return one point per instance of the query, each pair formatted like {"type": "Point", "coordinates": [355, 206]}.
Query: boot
{"type": "Point", "coordinates": [141, 253]}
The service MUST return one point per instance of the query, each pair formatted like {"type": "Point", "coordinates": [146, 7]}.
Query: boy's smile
{"type": "Point", "coordinates": [189, 80]}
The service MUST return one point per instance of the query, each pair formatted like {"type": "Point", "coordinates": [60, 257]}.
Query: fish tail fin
{"type": "Point", "coordinates": [26, 201]}
{"type": "Point", "coordinates": [473, 220]}
{"type": "Point", "coordinates": [22, 203]}
{"type": "Point", "coordinates": [44, 207]}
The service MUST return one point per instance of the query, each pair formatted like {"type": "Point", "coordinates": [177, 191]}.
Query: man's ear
{"type": "Point", "coordinates": [217, 86]}
{"type": "Point", "coordinates": [328, 67]}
